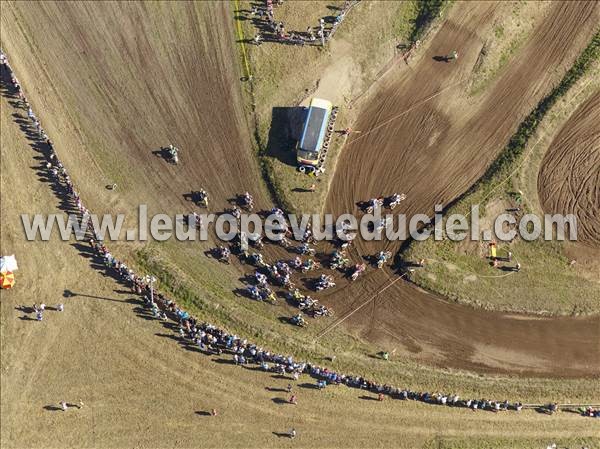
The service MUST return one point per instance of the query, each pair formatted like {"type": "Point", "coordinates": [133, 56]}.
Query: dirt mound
{"type": "Point", "coordinates": [569, 178]}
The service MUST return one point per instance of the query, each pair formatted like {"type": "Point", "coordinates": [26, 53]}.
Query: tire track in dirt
{"type": "Point", "coordinates": [434, 154]}
{"type": "Point", "coordinates": [569, 177]}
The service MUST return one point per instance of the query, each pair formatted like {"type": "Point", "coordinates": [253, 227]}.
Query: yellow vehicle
{"type": "Point", "coordinates": [313, 134]}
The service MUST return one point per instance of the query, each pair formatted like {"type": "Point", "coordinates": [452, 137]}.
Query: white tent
{"type": "Point", "coordinates": [8, 263]}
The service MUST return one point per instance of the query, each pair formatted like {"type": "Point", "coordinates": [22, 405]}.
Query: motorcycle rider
{"type": "Point", "coordinates": [396, 199]}
{"type": "Point", "coordinates": [358, 269]}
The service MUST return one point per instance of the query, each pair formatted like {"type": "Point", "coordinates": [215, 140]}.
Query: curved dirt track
{"type": "Point", "coordinates": [433, 153]}
{"type": "Point", "coordinates": [569, 178]}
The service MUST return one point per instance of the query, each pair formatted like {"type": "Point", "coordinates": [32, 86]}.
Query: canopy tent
{"type": "Point", "coordinates": [7, 280]}
{"type": "Point", "coordinates": [8, 263]}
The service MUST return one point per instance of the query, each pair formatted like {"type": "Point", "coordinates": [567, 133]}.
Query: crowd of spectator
{"type": "Point", "coordinates": [271, 30]}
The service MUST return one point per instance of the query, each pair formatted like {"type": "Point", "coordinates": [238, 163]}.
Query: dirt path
{"type": "Point", "coordinates": [433, 153]}
{"type": "Point", "coordinates": [569, 178]}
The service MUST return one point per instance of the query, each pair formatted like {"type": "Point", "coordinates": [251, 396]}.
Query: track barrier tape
{"type": "Point", "coordinates": [416, 105]}
{"type": "Point", "coordinates": [348, 315]}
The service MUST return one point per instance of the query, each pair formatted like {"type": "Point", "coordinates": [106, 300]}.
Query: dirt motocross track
{"type": "Point", "coordinates": [569, 180]}
{"type": "Point", "coordinates": [122, 89]}
{"type": "Point", "coordinates": [416, 138]}
{"type": "Point", "coordinates": [122, 100]}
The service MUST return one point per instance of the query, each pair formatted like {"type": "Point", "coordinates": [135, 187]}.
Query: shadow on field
{"type": "Point", "coordinates": [286, 129]}
{"type": "Point", "coordinates": [71, 294]}
{"type": "Point", "coordinates": [52, 408]}
{"type": "Point", "coordinates": [224, 361]}
{"type": "Point", "coordinates": [169, 336]}
{"type": "Point", "coordinates": [277, 390]}
{"type": "Point", "coordinates": [25, 309]}
{"type": "Point", "coordinates": [281, 434]}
